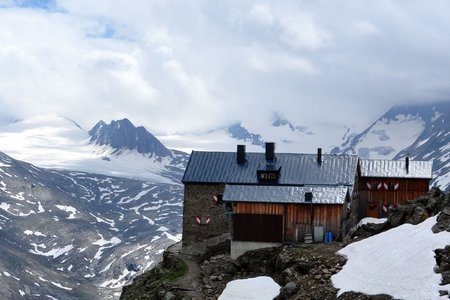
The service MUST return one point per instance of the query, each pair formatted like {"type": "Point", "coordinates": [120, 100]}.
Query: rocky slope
{"type": "Point", "coordinates": [303, 271]}
{"type": "Point", "coordinates": [76, 235]}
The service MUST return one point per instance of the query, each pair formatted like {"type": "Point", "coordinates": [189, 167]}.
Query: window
{"type": "Point", "coordinates": [268, 176]}
{"type": "Point", "coordinates": [217, 198]}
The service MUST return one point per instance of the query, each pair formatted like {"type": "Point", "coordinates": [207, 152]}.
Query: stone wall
{"type": "Point", "coordinates": [198, 201]}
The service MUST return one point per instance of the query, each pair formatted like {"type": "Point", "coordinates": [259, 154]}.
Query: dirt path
{"type": "Point", "coordinates": [190, 282]}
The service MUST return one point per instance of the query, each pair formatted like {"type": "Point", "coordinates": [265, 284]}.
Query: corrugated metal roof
{"type": "Point", "coordinates": [296, 169]}
{"type": "Point", "coordinates": [284, 194]}
{"type": "Point", "coordinates": [396, 168]}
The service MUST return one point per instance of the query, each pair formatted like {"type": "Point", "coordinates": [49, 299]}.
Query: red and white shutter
{"type": "Point", "coordinates": [203, 220]}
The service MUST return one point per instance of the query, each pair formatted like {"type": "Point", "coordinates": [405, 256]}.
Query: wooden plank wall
{"type": "Point", "coordinates": [408, 189]}
{"type": "Point", "coordinates": [258, 228]}
{"type": "Point", "coordinates": [297, 217]}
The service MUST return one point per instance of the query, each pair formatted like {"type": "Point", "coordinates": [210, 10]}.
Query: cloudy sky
{"type": "Point", "coordinates": [191, 66]}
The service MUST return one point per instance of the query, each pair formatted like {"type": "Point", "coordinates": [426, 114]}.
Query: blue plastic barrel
{"type": "Point", "coordinates": [328, 237]}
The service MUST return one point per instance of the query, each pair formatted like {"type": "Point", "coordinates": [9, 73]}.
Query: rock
{"type": "Point", "coordinates": [367, 230]}
{"type": "Point", "coordinates": [443, 220]}
{"type": "Point", "coordinates": [360, 296]}
{"type": "Point", "coordinates": [446, 210]}
{"type": "Point", "coordinates": [169, 296]}
{"type": "Point", "coordinates": [420, 214]}
{"type": "Point", "coordinates": [284, 261]}
{"type": "Point", "coordinates": [325, 271]}
{"type": "Point", "coordinates": [303, 268]}
{"type": "Point", "coordinates": [443, 263]}
{"type": "Point", "coordinates": [161, 293]}
{"type": "Point", "coordinates": [290, 289]}
{"type": "Point", "coordinates": [318, 277]}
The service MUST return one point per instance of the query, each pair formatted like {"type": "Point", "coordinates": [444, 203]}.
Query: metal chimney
{"type": "Point", "coordinates": [407, 164]}
{"type": "Point", "coordinates": [240, 154]}
{"type": "Point", "coordinates": [319, 156]}
{"type": "Point", "coordinates": [270, 151]}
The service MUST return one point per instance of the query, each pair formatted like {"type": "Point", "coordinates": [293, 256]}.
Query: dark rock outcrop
{"type": "Point", "coordinates": [443, 264]}
{"type": "Point", "coordinates": [123, 134]}
{"type": "Point", "coordinates": [157, 283]}
{"type": "Point", "coordinates": [435, 202]}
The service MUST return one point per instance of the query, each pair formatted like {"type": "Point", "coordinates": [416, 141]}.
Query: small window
{"type": "Point", "coordinates": [228, 207]}
{"type": "Point", "coordinates": [217, 198]}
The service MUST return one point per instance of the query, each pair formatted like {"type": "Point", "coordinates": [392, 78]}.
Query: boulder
{"type": "Point", "coordinates": [443, 262]}
{"type": "Point", "coordinates": [169, 296]}
{"type": "Point", "coordinates": [443, 220]}
{"type": "Point", "coordinates": [289, 289]}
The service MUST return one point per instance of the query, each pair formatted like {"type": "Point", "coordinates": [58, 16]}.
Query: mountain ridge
{"type": "Point", "coordinates": [122, 134]}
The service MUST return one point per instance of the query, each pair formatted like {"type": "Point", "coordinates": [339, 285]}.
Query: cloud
{"type": "Point", "coordinates": [197, 65]}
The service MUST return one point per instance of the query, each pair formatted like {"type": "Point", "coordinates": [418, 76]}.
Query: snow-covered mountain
{"type": "Point", "coordinates": [122, 135]}
{"type": "Point", "coordinates": [434, 143]}
{"type": "Point", "coordinates": [117, 149]}
{"type": "Point", "coordinates": [291, 137]}
{"type": "Point", "coordinates": [75, 235]}
{"type": "Point", "coordinates": [420, 131]}
{"type": "Point", "coordinates": [240, 133]}
{"type": "Point", "coordinates": [396, 130]}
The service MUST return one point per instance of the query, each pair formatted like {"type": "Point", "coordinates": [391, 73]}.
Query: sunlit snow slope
{"type": "Point", "coordinates": [52, 141]}
{"type": "Point", "coordinates": [399, 262]}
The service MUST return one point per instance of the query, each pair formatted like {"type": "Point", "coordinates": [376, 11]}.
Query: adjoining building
{"type": "Point", "coordinates": [385, 184]}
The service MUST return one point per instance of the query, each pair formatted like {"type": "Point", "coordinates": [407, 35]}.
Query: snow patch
{"type": "Point", "coordinates": [37, 233]}
{"type": "Point", "coordinates": [57, 284]}
{"type": "Point", "coordinates": [370, 220]}
{"type": "Point", "coordinates": [114, 241]}
{"type": "Point", "coordinates": [399, 262]}
{"type": "Point", "coordinates": [56, 252]}
{"type": "Point", "coordinates": [70, 209]}
{"type": "Point", "coordinates": [258, 288]}
{"type": "Point", "coordinates": [175, 238]}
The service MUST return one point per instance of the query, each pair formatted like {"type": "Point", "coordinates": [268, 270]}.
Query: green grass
{"type": "Point", "coordinates": [177, 271]}
{"type": "Point", "coordinates": [180, 269]}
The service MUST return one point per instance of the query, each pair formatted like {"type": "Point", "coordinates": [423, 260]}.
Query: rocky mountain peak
{"type": "Point", "coordinates": [122, 134]}
{"type": "Point", "coordinates": [239, 132]}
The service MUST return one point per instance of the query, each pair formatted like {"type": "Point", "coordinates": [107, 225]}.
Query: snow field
{"type": "Point", "coordinates": [399, 262]}
{"type": "Point", "coordinates": [258, 288]}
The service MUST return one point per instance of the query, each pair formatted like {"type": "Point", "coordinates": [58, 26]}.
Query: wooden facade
{"type": "Point", "coordinates": [376, 195]}
{"type": "Point", "coordinates": [297, 219]}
